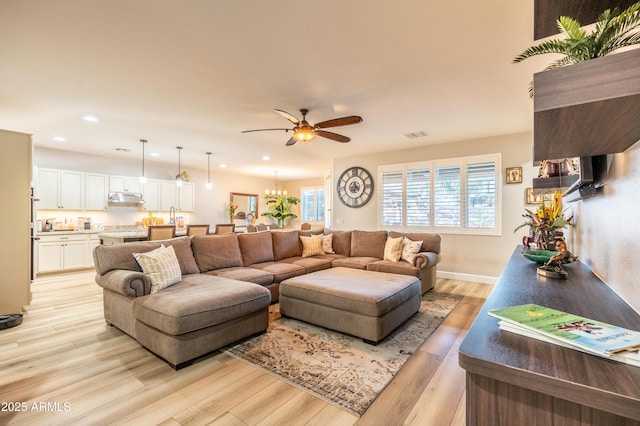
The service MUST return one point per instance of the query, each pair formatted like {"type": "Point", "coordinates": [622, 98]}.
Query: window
{"type": "Point", "coordinates": [312, 204]}
{"type": "Point", "coordinates": [456, 195]}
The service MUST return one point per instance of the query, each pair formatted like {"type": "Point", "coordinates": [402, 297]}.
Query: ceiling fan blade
{"type": "Point", "coordinates": [332, 136]}
{"type": "Point", "coordinates": [291, 141]}
{"type": "Point", "coordinates": [262, 130]}
{"type": "Point", "coordinates": [288, 116]}
{"type": "Point", "coordinates": [342, 121]}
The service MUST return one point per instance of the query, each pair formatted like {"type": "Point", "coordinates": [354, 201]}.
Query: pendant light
{"type": "Point", "coordinates": [275, 191]}
{"type": "Point", "coordinates": [209, 186]}
{"type": "Point", "coordinates": [179, 176]}
{"type": "Point", "coordinates": [143, 178]}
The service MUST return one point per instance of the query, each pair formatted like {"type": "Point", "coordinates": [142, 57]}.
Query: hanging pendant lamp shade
{"type": "Point", "coordinates": [209, 186]}
{"type": "Point", "coordinates": [143, 178]}
{"type": "Point", "coordinates": [179, 175]}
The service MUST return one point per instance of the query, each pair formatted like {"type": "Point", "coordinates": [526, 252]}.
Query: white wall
{"type": "Point", "coordinates": [478, 258]}
{"type": "Point", "coordinates": [607, 236]}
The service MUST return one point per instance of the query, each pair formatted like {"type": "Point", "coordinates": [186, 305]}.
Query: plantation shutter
{"type": "Point", "coordinates": [447, 196]}
{"type": "Point", "coordinates": [307, 205]}
{"type": "Point", "coordinates": [392, 199]}
{"type": "Point", "coordinates": [418, 197]}
{"type": "Point", "coordinates": [320, 205]}
{"type": "Point", "coordinates": [481, 195]}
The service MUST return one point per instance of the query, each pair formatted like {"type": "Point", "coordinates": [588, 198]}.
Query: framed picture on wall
{"type": "Point", "coordinates": [514, 174]}
{"type": "Point", "coordinates": [532, 198]}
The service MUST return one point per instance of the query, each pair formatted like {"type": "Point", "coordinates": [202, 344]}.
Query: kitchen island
{"type": "Point", "coordinates": [117, 237]}
{"type": "Point", "coordinates": [512, 379]}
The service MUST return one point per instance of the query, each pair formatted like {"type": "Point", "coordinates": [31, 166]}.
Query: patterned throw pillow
{"type": "Point", "coordinates": [311, 246]}
{"type": "Point", "coordinates": [410, 249]}
{"type": "Point", "coordinates": [161, 266]}
{"type": "Point", "coordinates": [327, 244]}
{"type": "Point", "coordinates": [393, 249]}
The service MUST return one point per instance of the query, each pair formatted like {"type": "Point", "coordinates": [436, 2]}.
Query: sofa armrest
{"type": "Point", "coordinates": [125, 282]}
{"type": "Point", "coordinates": [426, 259]}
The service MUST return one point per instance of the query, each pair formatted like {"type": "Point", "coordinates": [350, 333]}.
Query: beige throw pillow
{"type": "Point", "coordinates": [161, 266]}
{"type": "Point", "coordinates": [410, 249]}
{"type": "Point", "coordinates": [327, 244]}
{"type": "Point", "coordinates": [312, 246]}
{"type": "Point", "coordinates": [393, 249]}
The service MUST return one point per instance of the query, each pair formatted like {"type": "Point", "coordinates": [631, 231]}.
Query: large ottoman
{"type": "Point", "coordinates": [362, 303]}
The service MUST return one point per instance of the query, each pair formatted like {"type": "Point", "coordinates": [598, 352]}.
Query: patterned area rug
{"type": "Point", "coordinates": [336, 367]}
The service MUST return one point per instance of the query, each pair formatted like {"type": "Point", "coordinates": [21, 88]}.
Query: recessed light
{"type": "Point", "coordinates": [90, 118]}
{"type": "Point", "coordinates": [154, 154]}
{"type": "Point", "coordinates": [59, 139]}
{"type": "Point", "coordinates": [266, 158]}
{"type": "Point", "coordinates": [223, 165]}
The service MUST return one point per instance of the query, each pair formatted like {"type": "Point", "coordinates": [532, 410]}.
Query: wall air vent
{"type": "Point", "coordinates": [414, 135]}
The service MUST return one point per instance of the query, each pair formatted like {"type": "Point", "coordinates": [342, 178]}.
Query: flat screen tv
{"type": "Point", "coordinates": [592, 171]}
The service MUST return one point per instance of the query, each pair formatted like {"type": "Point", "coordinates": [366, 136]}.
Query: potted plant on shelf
{"type": "Point", "coordinates": [613, 30]}
{"type": "Point", "coordinates": [545, 221]}
{"type": "Point", "coordinates": [280, 208]}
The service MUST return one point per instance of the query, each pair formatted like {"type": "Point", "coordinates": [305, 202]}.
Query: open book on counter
{"type": "Point", "coordinates": [571, 331]}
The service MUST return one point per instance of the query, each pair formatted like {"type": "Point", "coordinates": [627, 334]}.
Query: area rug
{"type": "Point", "coordinates": [338, 368]}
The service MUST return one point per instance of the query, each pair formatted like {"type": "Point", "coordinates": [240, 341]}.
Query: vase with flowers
{"type": "Point", "coordinates": [544, 221]}
{"type": "Point", "coordinates": [230, 209]}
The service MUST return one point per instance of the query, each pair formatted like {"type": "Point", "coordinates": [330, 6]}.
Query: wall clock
{"type": "Point", "coordinates": [355, 187]}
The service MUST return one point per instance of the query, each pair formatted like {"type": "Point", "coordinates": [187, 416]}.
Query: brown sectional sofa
{"type": "Point", "coordinates": [228, 281]}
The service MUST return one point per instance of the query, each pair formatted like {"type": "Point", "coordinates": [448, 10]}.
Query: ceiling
{"type": "Point", "coordinates": [196, 74]}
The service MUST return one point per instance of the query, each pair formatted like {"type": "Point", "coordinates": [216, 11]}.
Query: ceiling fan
{"type": "Point", "coordinates": [304, 132]}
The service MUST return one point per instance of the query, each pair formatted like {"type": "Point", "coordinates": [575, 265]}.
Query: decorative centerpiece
{"type": "Point", "coordinates": [545, 226]}
{"type": "Point", "coordinates": [280, 208]}
{"type": "Point", "coordinates": [230, 209]}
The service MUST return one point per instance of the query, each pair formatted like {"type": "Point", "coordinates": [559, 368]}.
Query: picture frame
{"type": "Point", "coordinates": [534, 199]}
{"type": "Point", "coordinates": [514, 174]}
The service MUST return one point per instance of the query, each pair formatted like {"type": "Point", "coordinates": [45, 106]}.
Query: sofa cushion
{"type": "Point", "coordinates": [279, 270]}
{"type": "Point", "coordinates": [120, 256]}
{"type": "Point", "coordinates": [199, 301]}
{"type": "Point", "coordinates": [327, 244]}
{"type": "Point", "coordinates": [310, 264]}
{"type": "Point", "coordinates": [368, 243]}
{"type": "Point", "coordinates": [161, 266]}
{"type": "Point", "coordinates": [255, 247]}
{"type": "Point", "coordinates": [402, 268]}
{"type": "Point", "coordinates": [242, 273]}
{"type": "Point", "coordinates": [393, 249]}
{"type": "Point", "coordinates": [353, 262]}
{"type": "Point", "coordinates": [285, 244]}
{"type": "Point", "coordinates": [216, 251]}
{"type": "Point", "coordinates": [409, 249]}
{"type": "Point", "coordinates": [312, 246]}
{"type": "Point", "coordinates": [341, 241]}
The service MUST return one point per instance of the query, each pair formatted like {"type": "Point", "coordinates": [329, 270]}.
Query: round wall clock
{"type": "Point", "coordinates": [355, 187]}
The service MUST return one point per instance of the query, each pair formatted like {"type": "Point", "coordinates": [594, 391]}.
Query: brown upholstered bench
{"type": "Point", "coordinates": [365, 304]}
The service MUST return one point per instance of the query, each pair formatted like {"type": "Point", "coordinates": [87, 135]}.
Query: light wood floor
{"type": "Point", "coordinates": [64, 365]}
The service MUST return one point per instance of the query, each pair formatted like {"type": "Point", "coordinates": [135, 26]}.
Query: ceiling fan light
{"type": "Point", "coordinates": [304, 135]}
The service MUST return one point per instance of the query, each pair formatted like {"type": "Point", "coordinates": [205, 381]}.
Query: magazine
{"type": "Point", "coordinates": [589, 335]}
{"type": "Point", "coordinates": [631, 357]}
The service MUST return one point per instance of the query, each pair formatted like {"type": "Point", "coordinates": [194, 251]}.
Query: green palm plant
{"type": "Point", "coordinates": [613, 30]}
{"type": "Point", "coordinates": [280, 208]}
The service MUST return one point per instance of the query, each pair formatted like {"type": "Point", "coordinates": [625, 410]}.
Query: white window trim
{"type": "Point", "coordinates": [462, 161]}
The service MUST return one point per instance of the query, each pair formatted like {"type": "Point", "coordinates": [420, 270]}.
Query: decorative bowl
{"type": "Point", "coordinates": [542, 256]}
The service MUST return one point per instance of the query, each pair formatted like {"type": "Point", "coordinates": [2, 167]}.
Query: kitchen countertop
{"type": "Point", "coordinates": [135, 234]}
{"type": "Point", "coordinates": [84, 231]}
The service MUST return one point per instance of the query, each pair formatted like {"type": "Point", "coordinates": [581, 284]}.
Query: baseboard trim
{"type": "Point", "coordinates": [482, 279]}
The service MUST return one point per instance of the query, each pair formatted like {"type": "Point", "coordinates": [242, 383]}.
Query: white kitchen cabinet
{"type": "Point", "coordinates": [124, 184]}
{"type": "Point", "coordinates": [186, 195]}
{"type": "Point", "coordinates": [93, 241]}
{"type": "Point", "coordinates": [59, 252]}
{"type": "Point", "coordinates": [60, 190]}
{"type": "Point", "coordinates": [151, 192]}
{"type": "Point", "coordinates": [96, 191]}
{"type": "Point", "coordinates": [180, 198]}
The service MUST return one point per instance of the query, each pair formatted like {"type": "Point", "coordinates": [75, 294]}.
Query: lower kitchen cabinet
{"type": "Point", "coordinates": [62, 252]}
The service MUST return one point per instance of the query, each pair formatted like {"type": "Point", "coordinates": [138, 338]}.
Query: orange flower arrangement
{"type": "Point", "coordinates": [545, 220]}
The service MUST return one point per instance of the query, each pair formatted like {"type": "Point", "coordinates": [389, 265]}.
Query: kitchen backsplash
{"type": "Point", "coordinates": [107, 221]}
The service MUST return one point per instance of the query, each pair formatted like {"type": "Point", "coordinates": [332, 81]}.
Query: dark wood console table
{"type": "Point", "coordinates": [512, 379]}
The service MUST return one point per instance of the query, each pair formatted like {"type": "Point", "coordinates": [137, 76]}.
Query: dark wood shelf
{"type": "Point", "coordinates": [547, 12]}
{"type": "Point", "coordinates": [552, 183]}
{"type": "Point", "coordinates": [586, 109]}
{"type": "Point", "coordinates": [513, 379]}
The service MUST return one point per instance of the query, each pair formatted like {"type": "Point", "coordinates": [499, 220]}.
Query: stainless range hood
{"type": "Point", "coordinates": [125, 198]}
